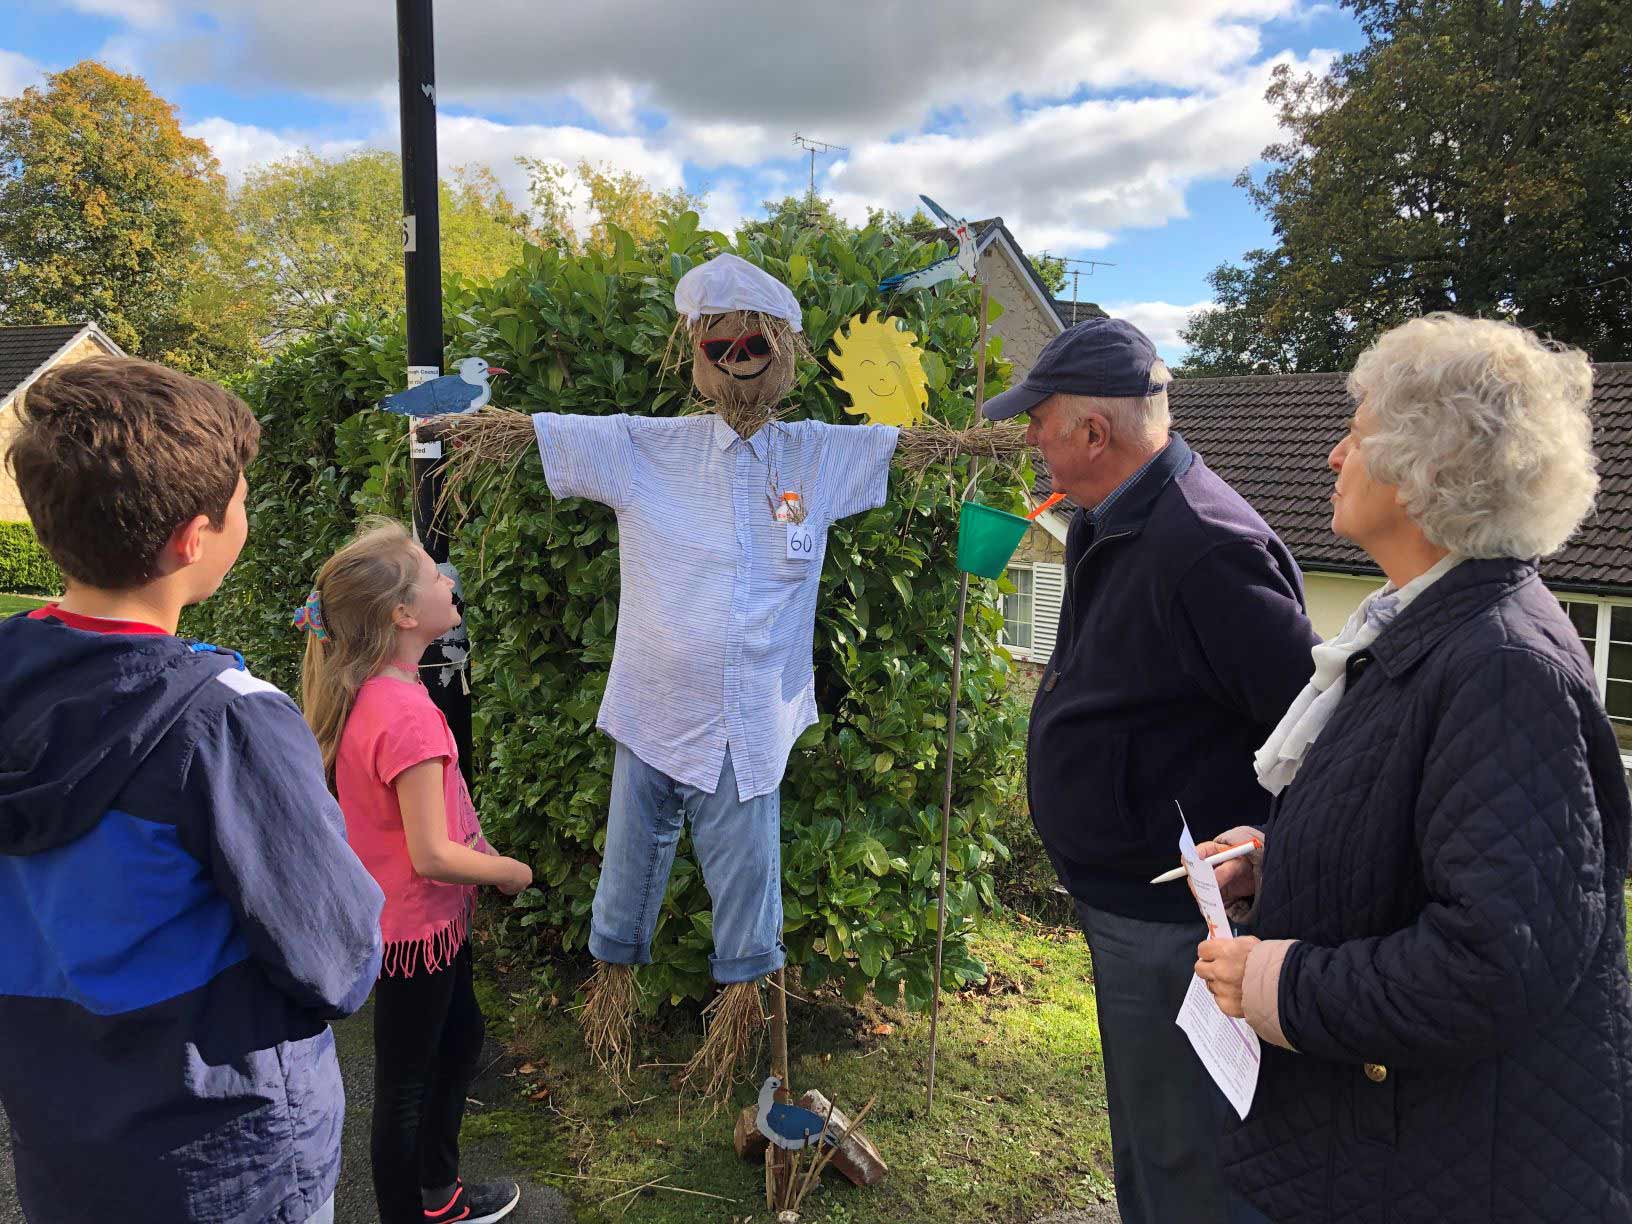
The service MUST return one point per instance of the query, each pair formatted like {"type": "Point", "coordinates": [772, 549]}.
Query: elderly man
{"type": "Point", "coordinates": [1182, 640]}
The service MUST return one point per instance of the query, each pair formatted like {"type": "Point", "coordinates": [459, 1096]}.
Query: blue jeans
{"type": "Point", "coordinates": [738, 846]}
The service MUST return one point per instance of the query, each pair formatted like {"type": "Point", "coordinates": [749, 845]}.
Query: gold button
{"type": "Point", "coordinates": [1376, 1072]}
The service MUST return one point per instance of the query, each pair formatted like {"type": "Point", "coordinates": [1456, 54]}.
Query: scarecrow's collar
{"type": "Point", "coordinates": [724, 436]}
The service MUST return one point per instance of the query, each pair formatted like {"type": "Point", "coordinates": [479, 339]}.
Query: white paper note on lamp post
{"type": "Point", "coordinates": [1227, 1047]}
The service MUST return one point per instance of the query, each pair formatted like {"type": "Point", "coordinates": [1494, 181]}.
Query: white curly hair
{"type": "Point", "coordinates": [1484, 430]}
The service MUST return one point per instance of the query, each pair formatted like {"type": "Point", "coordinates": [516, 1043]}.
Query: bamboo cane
{"type": "Point", "coordinates": [952, 724]}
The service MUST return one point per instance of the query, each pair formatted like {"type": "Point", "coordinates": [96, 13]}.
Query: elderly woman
{"type": "Point", "coordinates": [1440, 975]}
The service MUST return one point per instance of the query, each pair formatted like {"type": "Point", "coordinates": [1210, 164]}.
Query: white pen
{"type": "Point", "coordinates": [1223, 856]}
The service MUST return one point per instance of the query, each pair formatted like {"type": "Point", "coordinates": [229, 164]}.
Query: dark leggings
{"type": "Point", "coordinates": [427, 1039]}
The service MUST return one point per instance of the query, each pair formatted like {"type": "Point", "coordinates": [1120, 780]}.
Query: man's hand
{"type": "Point", "coordinates": [1222, 964]}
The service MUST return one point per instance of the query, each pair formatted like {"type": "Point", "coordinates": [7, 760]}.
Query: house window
{"type": "Point", "coordinates": [1617, 672]}
{"type": "Point", "coordinates": [1017, 611]}
{"type": "Point", "coordinates": [1606, 632]}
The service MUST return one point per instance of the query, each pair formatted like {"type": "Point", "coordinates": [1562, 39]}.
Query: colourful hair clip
{"type": "Point", "coordinates": [310, 617]}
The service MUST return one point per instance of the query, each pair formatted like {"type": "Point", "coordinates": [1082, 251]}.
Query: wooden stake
{"type": "Point", "coordinates": [778, 1172]}
{"type": "Point", "coordinates": [779, 1029]}
{"type": "Point", "coordinates": [952, 724]}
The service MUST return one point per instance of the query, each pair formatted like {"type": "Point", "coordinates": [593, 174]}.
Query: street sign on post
{"type": "Point", "coordinates": [445, 667]}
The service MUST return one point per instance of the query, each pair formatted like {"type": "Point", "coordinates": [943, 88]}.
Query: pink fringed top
{"type": "Point", "coordinates": [394, 725]}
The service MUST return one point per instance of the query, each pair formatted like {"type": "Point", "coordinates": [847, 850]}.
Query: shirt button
{"type": "Point", "coordinates": [1376, 1072]}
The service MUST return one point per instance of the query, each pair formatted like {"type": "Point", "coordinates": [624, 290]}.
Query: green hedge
{"type": "Point", "coordinates": [861, 799]}
{"type": "Point", "coordinates": [25, 569]}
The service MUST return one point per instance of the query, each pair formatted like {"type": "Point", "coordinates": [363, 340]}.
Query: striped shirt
{"type": "Point", "coordinates": [715, 619]}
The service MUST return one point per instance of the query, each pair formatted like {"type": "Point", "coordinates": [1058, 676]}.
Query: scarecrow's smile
{"type": "Point", "coordinates": [746, 377]}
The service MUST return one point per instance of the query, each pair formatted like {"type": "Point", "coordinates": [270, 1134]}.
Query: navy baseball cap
{"type": "Point", "coordinates": [1109, 357]}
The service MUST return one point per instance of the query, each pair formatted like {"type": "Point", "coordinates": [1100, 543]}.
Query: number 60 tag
{"type": "Point", "coordinates": [801, 542]}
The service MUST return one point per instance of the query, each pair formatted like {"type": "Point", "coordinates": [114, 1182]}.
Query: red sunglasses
{"type": "Point", "coordinates": [736, 348]}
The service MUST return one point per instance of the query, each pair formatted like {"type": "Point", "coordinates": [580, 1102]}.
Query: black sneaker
{"type": "Point", "coordinates": [478, 1204]}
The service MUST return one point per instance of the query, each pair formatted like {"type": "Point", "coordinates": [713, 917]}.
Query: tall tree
{"type": "Point", "coordinates": [109, 213]}
{"type": "Point", "coordinates": [1474, 155]}
{"type": "Point", "coordinates": [599, 196]}
{"type": "Point", "coordinates": [320, 237]}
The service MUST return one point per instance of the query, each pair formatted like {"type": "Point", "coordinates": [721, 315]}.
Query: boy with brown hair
{"type": "Point", "coordinates": [182, 914]}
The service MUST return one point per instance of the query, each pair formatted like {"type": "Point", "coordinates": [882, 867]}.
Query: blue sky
{"type": "Point", "coordinates": [1108, 130]}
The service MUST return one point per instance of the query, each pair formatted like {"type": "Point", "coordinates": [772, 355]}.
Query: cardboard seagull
{"type": "Point", "coordinates": [465, 391]}
{"type": "Point", "coordinates": [960, 263]}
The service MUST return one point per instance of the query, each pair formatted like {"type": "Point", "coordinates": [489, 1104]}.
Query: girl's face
{"type": "Point", "coordinates": [431, 608]}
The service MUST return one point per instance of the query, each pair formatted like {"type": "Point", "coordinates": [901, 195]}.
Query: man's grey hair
{"type": "Point", "coordinates": [1484, 429]}
{"type": "Point", "coordinates": [1140, 418]}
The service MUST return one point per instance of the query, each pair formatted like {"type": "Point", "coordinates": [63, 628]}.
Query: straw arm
{"type": "Point", "coordinates": [924, 445]}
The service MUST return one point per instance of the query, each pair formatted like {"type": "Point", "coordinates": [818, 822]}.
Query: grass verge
{"type": "Point", "coordinates": [19, 603]}
{"type": "Point", "coordinates": [1019, 1127]}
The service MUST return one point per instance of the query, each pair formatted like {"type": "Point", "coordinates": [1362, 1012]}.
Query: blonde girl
{"type": "Point", "coordinates": [377, 604]}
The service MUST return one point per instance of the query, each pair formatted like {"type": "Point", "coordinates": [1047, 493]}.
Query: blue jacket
{"type": "Point", "coordinates": [181, 918]}
{"type": "Point", "coordinates": [1182, 641]}
{"type": "Point", "coordinates": [1450, 858]}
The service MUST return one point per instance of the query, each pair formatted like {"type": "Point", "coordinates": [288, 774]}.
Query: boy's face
{"type": "Point", "coordinates": [208, 552]}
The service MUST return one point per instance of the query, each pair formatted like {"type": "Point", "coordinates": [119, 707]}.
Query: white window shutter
{"type": "Point", "coordinates": [1047, 592]}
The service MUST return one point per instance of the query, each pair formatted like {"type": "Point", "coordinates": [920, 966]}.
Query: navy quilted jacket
{"type": "Point", "coordinates": [1450, 857]}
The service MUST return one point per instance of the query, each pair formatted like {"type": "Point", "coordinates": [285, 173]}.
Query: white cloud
{"type": "Point", "coordinates": [17, 73]}
{"type": "Point", "coordinates": [463, 139]}
{"type": "Point", "coordinates": [841, 72]}
{"type": "Point", "coordinates": [1070, 176]}
{"type": "Point", "coordinates": [1160, 321]}
{"type": "Point", "coordinates": [141, 13]}
{"type": "Point", "coordinates": [726, 208]}
{"type": "Point", "coordinates": [241, 146]}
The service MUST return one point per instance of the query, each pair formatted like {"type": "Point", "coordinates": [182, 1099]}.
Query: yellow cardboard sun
{"type": "Point", "coordinates": [879, 369]}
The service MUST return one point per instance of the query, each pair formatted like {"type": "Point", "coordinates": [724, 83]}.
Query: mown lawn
{"type": "Point", "coordinates": [1019, 1127]}
{"type": "Point", "coordinates": [18, 603]}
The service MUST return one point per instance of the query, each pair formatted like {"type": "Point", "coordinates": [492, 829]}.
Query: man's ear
{"type": "Point", "coordinates": [1098, 428]}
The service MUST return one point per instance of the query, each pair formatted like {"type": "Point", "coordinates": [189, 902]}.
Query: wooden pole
{"type": "Point", "coordinates": [952, 725]}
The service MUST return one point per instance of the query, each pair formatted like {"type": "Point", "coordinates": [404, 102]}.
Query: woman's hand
{"type": "Point", "coordinates": [1234, 877]}
{"type": "Point", "coordinates": [1222, 964]}
{"type": "Point", "coordinates": [1237, 879]}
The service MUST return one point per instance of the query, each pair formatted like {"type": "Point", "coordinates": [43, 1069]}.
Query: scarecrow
{"type": "Point", "coordinates": [722, 528]}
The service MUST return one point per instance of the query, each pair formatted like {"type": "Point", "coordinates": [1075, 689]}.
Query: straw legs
{"type": "Point", "coordinates": [739, 848]}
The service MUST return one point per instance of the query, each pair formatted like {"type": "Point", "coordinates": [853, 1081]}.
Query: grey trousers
{"type": "Point", "coordinates": [1166, 1114]}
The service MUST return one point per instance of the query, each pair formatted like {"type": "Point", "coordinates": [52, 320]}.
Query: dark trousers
{"type": "Point", "coordinates": [428, 1035]}
{"type": "Point", "coordinates": [1166, 1114]}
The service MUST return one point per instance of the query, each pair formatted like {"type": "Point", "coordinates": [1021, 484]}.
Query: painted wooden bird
{"type": "Point", "coordinates": [465, 391]}
{"type": "Point", "coordinates": [792, 1127]}
{"type": "Point", "coordinates": [960, 263]}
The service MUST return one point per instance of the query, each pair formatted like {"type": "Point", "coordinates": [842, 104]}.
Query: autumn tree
{"type": "Point", "coordinates": [109, 213]}
{"type": "Point", "coordinates": [1473, 155]}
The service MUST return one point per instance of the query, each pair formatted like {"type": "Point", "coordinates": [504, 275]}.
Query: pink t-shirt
{"type": "Point", "coordinates": [394, 725]}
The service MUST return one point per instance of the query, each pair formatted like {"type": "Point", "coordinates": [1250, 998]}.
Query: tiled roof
{"type": "Point", "coordinates": [1269, 437]}
{"type": "Point", "coordinates": [24, 349]}
{"type": "Point", "coordinates": [1075, 312]}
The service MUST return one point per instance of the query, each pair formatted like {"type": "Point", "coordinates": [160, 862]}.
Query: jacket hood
{"type": "Point", "coordinates": [80, 711]}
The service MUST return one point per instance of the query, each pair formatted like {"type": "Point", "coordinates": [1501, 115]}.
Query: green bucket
{"type": "Point", "coordinates": [987, 538]}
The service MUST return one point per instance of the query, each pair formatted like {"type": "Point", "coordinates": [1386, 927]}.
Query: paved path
{"type": "Point", "coordinates": [354, 1201]}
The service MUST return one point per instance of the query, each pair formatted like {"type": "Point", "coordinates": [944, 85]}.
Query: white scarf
{"type": "Point", "coordinates": [1278, 760]}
